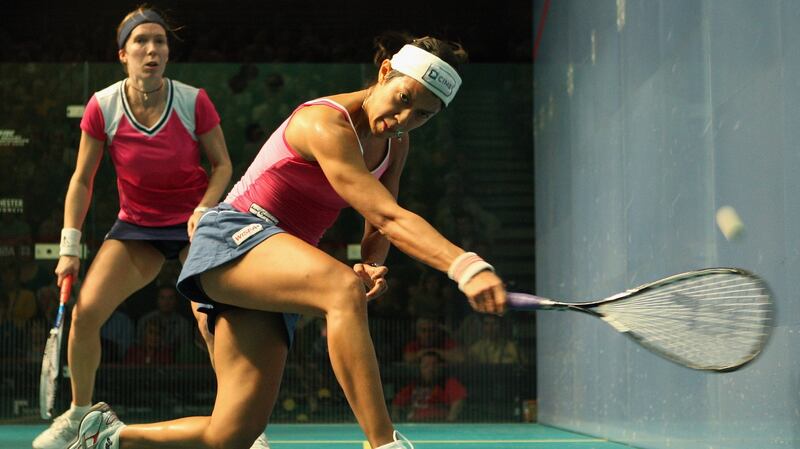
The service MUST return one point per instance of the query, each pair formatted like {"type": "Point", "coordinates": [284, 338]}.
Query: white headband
{"type": "Point", "coordinates": [438, 76]}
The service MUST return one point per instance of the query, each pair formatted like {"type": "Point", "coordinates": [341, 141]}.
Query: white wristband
{"type": "Point", "coordinates": [70, 242]}
{"type": "Point", "coordinates": [471, 271]}
{"type": "Point", "coordinates": [451, 272]}
{"type": "Point", "coordinates": [201, 209]}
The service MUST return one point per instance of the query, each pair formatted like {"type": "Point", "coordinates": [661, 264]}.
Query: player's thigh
{"type": "Point", "coordinates": [250, 353]}
{"type": "Point", "coordinates": [119, 269]}
{"type": "Point", "coordinates": [283, 273]}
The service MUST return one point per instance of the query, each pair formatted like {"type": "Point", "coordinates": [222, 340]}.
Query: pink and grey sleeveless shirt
{"type": "Point", "coordinates": [292, 189]}
{"type": "Point", "coordinates": [159, 176]}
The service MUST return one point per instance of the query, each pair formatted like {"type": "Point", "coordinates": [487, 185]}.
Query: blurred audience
{"type": "Point", "coordinates": [193, 351]}
{"type": "Point", "coordinates": [150, 348]}
{"type": "Point", "coordinates": [47, 299]}
{"type": "Point", "coordinates": [494, 344]}
{"type": "Point", "coordinates": [117, 335]}
{"type": "Point", "coordinates": [432, 337]}
{"type": "Point", "coordinates": [432, 396]}
{"type": "Point", "coordinates": [21, 302]}
{"type": "Point", "coordinates": [175, 329]}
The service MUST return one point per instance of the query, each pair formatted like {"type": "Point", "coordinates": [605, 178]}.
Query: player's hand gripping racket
{"type": "Point", "coordinates": [714, 319]}
{"type": "Point", "coordinates": [52, 353]}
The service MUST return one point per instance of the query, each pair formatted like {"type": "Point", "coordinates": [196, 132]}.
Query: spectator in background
{"type": "Point", "coordinates": [392, 305]}
{"type": "Point", "coordinates": [431, 297]}
{"type": "Point", "coordinates": [15, 232]}
{"type": "Point", "coordinates": [461, 217]}
{"type": "Point", "coordinates": [21, 301]}
{"type": "Point", "coordinates": [425, 298]}
{"type": "Point", "coordinates": [10, 337]}
{"type": "Point", "coordinates": [193, 351]}
{"type": "Point", "coordinates": [150, 349]}
{"type": "Point", "coordinates": [37, 332]}
{"type": "Point", "coordinates": [434, 396]}
{"type": "Point", "coordinates": [47, 302]}
{"type": "Point", "coordinates": [494, 344]}
{"type": "Point", "coordinates": [175, 328]}
{"type": "Point", "coordinates": [34, 274]}
{"type": "Point", "coordinates": [117, 335]}
{"type": "Point", "coordinates": [432, 337]}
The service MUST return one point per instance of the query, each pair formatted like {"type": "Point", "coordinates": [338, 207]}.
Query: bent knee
{"type": "Point", "coordinates": [346, 293]}
{"type": "Point", "coordinates": [87, 316]}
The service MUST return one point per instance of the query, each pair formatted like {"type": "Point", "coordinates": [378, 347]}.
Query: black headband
{"type": "Point", "coordinates": [145, 16]}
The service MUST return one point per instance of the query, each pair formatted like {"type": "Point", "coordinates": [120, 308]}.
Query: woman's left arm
{"type": "Point", "coordinates": [374, 246]}
{"type": "Point", "coordinates": [213, 144]}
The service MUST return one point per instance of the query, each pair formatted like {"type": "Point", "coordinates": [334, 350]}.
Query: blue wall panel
{"type": "Point", "coordinates": [648, 116]}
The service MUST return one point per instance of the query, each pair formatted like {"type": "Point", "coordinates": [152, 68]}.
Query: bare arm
{"type": "Point", "coordinates": [79, 195]}
{"type": "Point", "coordinates": [213, 144]}
{"type": "Point", "coordinates": [331, 142]}
{"type": "Point", "coordinates": [374, 246]}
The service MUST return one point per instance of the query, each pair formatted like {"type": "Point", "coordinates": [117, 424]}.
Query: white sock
{"type": "Point", "coordinates": [77, 412]}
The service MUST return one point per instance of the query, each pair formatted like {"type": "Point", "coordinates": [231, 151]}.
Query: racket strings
{"type": "Point", "coordinates": [704, 320]}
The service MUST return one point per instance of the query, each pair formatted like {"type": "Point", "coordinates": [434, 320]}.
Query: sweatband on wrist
{"type": "Point", "coordinates": [431, 71]}
{"type": "Point", "coordinates": [70, 242]}
{"type": "Point", "coordinates": [201, 209]}
{"type": "Point", "coordinates": [451, 272]}
{"type": "Point", "coordinates": [470, 272]}
{"type": "Point", "coordinates": [465, 267]}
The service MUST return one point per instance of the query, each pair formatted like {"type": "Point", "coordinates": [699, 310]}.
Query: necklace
{"type": "Point", "coordinates": [145, 93]}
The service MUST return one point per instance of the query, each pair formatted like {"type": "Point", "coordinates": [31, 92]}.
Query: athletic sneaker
{"type": "Point", "coordinates": [60, 433]}
{"type": "Point", "coordinates": [400, 442]}
{"type": "Point", "coordinates": [261, 443]}
{"type": "Point", "coordinates": [99, 429]}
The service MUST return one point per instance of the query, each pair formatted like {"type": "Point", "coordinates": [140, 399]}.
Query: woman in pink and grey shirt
{"type": "Point", "coordinates": [155, 130]}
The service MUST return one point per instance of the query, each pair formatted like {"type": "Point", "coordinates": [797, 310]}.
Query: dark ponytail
{"type": "Point", "coordinates": [390, 42]}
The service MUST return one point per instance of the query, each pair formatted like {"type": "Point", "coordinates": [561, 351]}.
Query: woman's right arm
{"type": "Point", "coordinates": [335, 148]}
{"type": "Point", "coordinates": [79, 195]}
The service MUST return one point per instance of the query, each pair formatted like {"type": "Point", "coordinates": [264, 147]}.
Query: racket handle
{"type": "Point", "coordinates": [66, 288]}
{"type": "Point", "coordinates": [524, 301]}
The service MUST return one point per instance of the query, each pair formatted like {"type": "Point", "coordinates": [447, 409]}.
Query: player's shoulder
{"type": "Point", "coordinates": [179, 86]}
{"type": "Point", "coordinates": [110, 91]}
{"type": "Point", "coordinates": [322, 117]}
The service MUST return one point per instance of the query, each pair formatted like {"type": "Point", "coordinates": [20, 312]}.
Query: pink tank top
{"type": "Point", "coordinates": [292, 189]}
{"type": "Point", "coordinates": [159, 176]}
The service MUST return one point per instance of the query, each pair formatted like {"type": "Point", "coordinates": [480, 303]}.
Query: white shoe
{"type": "Point", "coordinates": [60, 433]}
{"type": "Point", "coordinates": [99, 429]}
{"type": "Point", "coordinates": [260, 443]}
{"type": "Point", "coordinates": [400, 442]}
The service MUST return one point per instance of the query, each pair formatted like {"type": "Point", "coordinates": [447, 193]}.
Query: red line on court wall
{"type": "Point", "coordinates": [540, 29]}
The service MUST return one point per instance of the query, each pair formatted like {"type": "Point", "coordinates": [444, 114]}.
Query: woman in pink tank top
{"type": "Point", "coordinates": [255, 268]}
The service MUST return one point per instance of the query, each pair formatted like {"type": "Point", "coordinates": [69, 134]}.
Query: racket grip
{"type": "Point", "coordinates": [66, 289]}
{"type": "Point", "coordinates": [524, 301]}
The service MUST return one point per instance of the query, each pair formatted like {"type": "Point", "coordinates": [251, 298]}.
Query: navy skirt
{"type": "Point", "coordinates": [168, 240]}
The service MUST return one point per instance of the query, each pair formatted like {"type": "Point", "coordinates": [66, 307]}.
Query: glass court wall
{"type": "Point", "coordinates": [469, 173]}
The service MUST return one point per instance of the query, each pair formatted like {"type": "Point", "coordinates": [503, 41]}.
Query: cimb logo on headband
{"type": "Point", "coordinates": [441, 80]}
